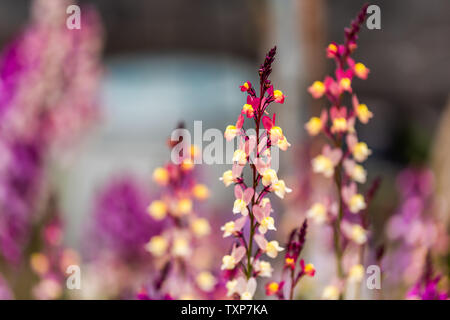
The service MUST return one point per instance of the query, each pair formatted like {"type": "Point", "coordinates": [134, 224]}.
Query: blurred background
{"type": "Point", "coordinates": [169, 61]}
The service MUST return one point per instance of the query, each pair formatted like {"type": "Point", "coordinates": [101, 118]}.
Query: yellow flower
{"type": "Point", "coordinates": [356, 273]}
{"type": "Point", "coordinates": [228, 263]}
{"type": "Point", "coordinates": [324, 165]}
{"type": "Point", "coordinates": [360, 70]}
{"type": "Point", "coordinates": [39, 263]}
{"type": "Point", "coordinates": [318, 212]}
{"type": "Point", "coordinates": [228, 229]}
{"type": "Point", "coordinates": [200, 191]}
{"type": "Point", "coordinates": [181, 247]}
{"type": "Point", "coordinates": [231, 287]}
{"type": "Point", "coordinates": [280, 189]}
{"type": "Point", "coordinates": [339, 125]}
{"type": "Point", "coordinates": [248, 110]}
{"type": "Point", "coordinates": [227, 178]}
{"type": "Point", "coordinates": [273, 248]}
{"type": "Point", "coordinates": [330, 293]}
{"type": "Point", "coordinates": [158, 209]}
{"type": "Point", "coordinates": [356, 203]}
{"type": "Point", "coordinates": [317, 89]}
{"type": "Point", "coordinates": [358, 174]}
{"type": "Point", "coordinates": [361, 151]}
{"type": "Point", "coordinates": [358, 234]}
{"type": "Point", "coordinates": [240, 156]}
{"type": "Point", "coordinates": [363, 113]}
{"type": "Point", "coordinates": [240, 206]}
{"type": "Point", "coordinates": [161, 176]}
{"type": "Point", "coordinates": [230, 132]}
{"type": "Point", "coordinates": [187, 164]}
{"type": "Point", "coordinates": [264, 268]}
{"type": "Point", "coordinates": [267, 223]}
{"type": "Point", "coordinates": [184, 206]}
{"type": "Point", "coordinates": [200, 227]}
{"type": "Point", "coordinates": [345, 84]}
{"type": "Point", "coordinates": [269, 176]}
{"type": "Point", "coordinates": [157, 246]}
{"type": "Point", "coordinates": [206, 281]}
{"type": "Point", "coordinates": [276, 133]}
{"type": "Point", "coordinates": [314, 126]}
{"type": "Point", "coordinates": [283, 144]}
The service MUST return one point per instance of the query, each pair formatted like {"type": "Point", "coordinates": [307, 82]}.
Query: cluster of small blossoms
{"type": "Point", "coordinates": [294, 267]}
{"type": "Point", "coordinates": [427, 287]}
{"type": "Point", "coordinates": [182, 228]}
{"type": "Point", "coordinates": [51, 262]}
{"type": "Point", "coordinates": [252, 205]}
{"type": "Point", "coordinates": [49, 79]}
{"type": "Point", "coordinates": [341, 159]}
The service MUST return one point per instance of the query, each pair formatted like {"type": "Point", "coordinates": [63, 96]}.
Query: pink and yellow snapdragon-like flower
{"type": "Point", "coordinates": [355, 171]}
{"type": "Point", "coordinates": [263, 269]}
{"type": "Point", "coordinates": [275, 133]}
{"type": "Point", "coordinates": [317, 89]}
{"type": "Point", "coordinates": [317, 212]}
{"type": "Point", "coordinates": [270, 248]}
{"type": "Point", "coordinates": [245, 288]}
{"type": "Point", "coordinates": [359, 150]}
{"type": "Point", "coordinates": [157, 209]}
{"type": "Point", "coordinates": [231, 176]}
{"type": "Point", "coordinates": [362, 112]}
{"type": "Point", "coordinates": [326, 162]}
{"type": "Point", "coordinates": [233, 227]}
{"type": "Point", "coordinates": [233, 130]}
{"type": "Point", "coordinates": [262, 215]}
{"type": "Point", "coordinates": [359, 69]}
{"type": "Point", "coordinates": [355, 232]}
{"type": "Point", "coordinates": [273, 288]}
{"type": "Point", "coordinates": [308, 268]}
{"type": "Point", "coordinates": [316, 124]}
{"type": "Point", "coordinates": [277, 95]}
{"type": "Point", "coordinates": [243, 198]}
{"type": "Point", "coordinates": [354, 201]}
{"type": "Point", "coordinates": [230, 261]}
{"type": "Point", "coordinates": [161, 176]}
{"type": "Point", "coordinates": [246, 86]}
{"type": "Point", "coordinates": [246, 147]}
{"type": "Point", "coordinates": [332, 50]}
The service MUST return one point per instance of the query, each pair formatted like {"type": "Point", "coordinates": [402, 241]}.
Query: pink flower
{"type": "Point", "coordinates": [355, 201]}
{"type": "Point", "coordinates": [262, 215]}
{"type": "Point", "coordinates": [271, 248]}
{"type": "Point", "coordinates": [232, 131]}
{"type": "Point", "coordinates": [243, 198]}
{"type": "Point", "coordinates": [326, 162]}
{"type": "Point", "coordinates": [246, 86]}
{"type": "Point", "coordinates": [229, 262]}
{"type": "Point", "coordinates": [362, 112]}
{"type": "Point", "coordinates": [277, 95]}
{"type": "Point", "coordinates": [233, 227]}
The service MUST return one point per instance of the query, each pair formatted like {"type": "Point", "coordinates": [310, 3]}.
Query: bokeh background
{"type": "Point", "coordinates": [170, 61]}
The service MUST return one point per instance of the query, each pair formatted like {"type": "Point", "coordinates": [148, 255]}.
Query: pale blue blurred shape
{"type": "Point", "coordinates": [146, 95]}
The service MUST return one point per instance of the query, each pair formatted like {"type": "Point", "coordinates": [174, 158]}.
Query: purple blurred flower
{"type": "Point", "coordinates": [121, 222]}
{"type": "Point", "coordinates": [427, 290]}
{"type": "Point", "coordinates": [49, 77]}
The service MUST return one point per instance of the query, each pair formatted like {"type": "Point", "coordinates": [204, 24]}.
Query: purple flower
{"type": "Point", "coordinates": [121, 222]}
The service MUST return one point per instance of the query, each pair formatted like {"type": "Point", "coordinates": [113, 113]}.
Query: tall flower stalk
{"type": "Point", "coordinates": [343, 153]}
{"type": "Point", "coordinates": [243, 264]}
{"type": "Point", "coordinates": [174, 248]}
{"type": "Point", "coordinates": [294, 268]}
